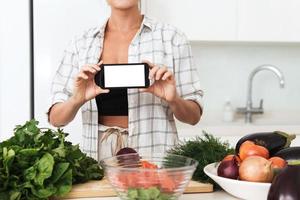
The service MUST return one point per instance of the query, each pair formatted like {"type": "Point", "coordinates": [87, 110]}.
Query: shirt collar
{"type": "Point", "coordinates": [147, 22]}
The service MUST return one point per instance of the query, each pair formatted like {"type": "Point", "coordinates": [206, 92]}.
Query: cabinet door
{"type": "Point", "coordinates": [14, 65]}
{"type": "Point", "coordinates": [269, 20]}
{"type": "Point", "coordinates": [213, 20]}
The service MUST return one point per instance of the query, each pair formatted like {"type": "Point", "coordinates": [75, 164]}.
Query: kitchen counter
{"type": "Point", "coordinates": [233, 131]}
{"type": "Point", "coordinates": [204, 196]}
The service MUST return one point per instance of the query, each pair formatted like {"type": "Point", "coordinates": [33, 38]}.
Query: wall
{"type": "Point", "coordinates": [54, 29]}
{"type": "Point", "coordinates": [14, 65]}
{"type": "Point", "coordinates": [224, 70]}
{"type": "Point", "coordinates": [223, 67]}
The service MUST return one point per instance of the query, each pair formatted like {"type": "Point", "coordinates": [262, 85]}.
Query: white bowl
{"type": "Point", "coordinates": [241, 189]}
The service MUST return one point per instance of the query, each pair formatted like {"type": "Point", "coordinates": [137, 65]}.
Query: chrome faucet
{"type": "Point", "coordinates": [249, 110]}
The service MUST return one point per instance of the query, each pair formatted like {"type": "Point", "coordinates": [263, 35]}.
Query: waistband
{"type": "Point", "coordinates": [104, 128]}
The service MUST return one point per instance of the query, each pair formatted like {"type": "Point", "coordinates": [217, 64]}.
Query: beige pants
{"type": "Point", "coordinates": [111, 140]}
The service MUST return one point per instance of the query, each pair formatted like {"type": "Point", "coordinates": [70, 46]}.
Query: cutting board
{"type": "Point", "coordinates": [103, 189]}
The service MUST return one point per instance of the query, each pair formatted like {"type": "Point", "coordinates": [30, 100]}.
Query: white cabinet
{"type": "Point", "coordinates": [269, 20]}
{"type": "Point", "coordinates": [211, 20]}
{"type": "Point", "coordinates": [14, 65]}
{"type": "Point", "coordinates": [231, 20]}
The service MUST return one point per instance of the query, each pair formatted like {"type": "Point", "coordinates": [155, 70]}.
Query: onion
{"type": "Point", "coordinates": [249, 148]}
{"type": "Point", "coordinates": [278, 163]}
{"type": "Point", "coordinates": [128, 157]}
{"type": "Point", "coordinates": [229, 168]}
{"type": "Point", "coordinates": [126, 150]}
{"type": "Point", "coordinates": [256, 169]}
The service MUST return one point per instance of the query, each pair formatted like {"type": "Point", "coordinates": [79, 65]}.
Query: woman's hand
{"type": "Point", "coordinates": [164, 85]}
{"type": "Point", "coordinates": [85, 87]}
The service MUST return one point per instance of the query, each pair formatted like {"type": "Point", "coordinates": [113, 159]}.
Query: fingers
{"type": "Point", "coordinates": [151, 65]}
{"type": "Point", "coordinates": [167, 75]}
{"type": "Point", "coordinates": [153, 72]}
{"type": "Point", "coordinates": [89, 70]}
{"type": "Point", "coordinates": [92, 69]}
{"type": "Point", "coordinates": [99, 90]}
{"type": "Point", "coordinates": [83, 76]}
{"type": "Point", "coordinates": [100, 63]}
{"type": "Point", "coordinates": [160, 72]}
{"type": "Point", "coordinates": [149, 89]}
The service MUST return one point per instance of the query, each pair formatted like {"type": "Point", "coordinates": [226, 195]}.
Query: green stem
{"type": "Point", "coordinates": [294, 162]}
{"type": "Point", "coordinates": [289, 137]}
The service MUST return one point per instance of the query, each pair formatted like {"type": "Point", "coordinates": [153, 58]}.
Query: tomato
{"type": "Point", "coordinates": [148, 165]}
{"type": "Point", "coordinates": [167, 184]}
{"type": "Point", "coordinates": [148, 179]}
{"type": "Point", "coordinates": [133, 180]}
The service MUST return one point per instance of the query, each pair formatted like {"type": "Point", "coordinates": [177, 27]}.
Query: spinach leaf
{"type": "Point", "coordinates": [64, 185]}
{"type": "Point", "coordinates": [42, 192]}
{"type": "Point", "coordinates": [59, 170]}
{"type": "Point", "coordinates": [44, 168]}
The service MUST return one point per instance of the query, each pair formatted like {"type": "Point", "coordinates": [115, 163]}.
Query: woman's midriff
{"type": "Point", "coordinates": [120, 121]}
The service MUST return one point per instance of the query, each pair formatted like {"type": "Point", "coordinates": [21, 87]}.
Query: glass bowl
{"type": "Point", "coordinates": [164, 178]}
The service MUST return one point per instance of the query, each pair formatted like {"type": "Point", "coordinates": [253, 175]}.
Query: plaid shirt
{"type": "Point", "coordinates": [151, 122]}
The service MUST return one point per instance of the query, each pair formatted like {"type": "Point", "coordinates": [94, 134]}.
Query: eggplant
{"type": "Point", "coordinates": [289, 154]}
{"type": "Point", "coordinates": [286, 184]}
{"type": "Point", "coordinates": [273, 141]}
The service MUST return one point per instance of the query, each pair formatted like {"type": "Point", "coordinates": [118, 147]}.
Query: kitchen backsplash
{"type": "Point", "coordinates": [224, 69]}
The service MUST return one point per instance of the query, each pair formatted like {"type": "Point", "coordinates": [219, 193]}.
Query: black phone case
{"type": "Point", "coordinates": [99, 78]}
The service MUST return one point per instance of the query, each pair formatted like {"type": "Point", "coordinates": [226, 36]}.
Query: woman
{"type": "Point", "coordinates": [142, 119]}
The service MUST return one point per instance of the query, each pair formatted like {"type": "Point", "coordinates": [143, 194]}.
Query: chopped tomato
{"type": "Point", "coordinates": [132, 180]}
{"type": "Point", "coordinates": [167, 183]}
{"type": "Point", "coordinates": [148, 178]}
{"type": "Point", "coordinates": [148, 165]}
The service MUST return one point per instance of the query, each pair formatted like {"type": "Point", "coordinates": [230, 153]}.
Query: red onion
{"type": "Point", "coordinates": [128, 157]}
{"type": "Point", "coordinates": [229, 169]}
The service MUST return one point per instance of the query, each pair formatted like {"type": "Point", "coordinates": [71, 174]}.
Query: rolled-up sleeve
{"type": "Point", "coordinates": [186, 74]}
{"type": "Point", "coordinates": [62, 84]}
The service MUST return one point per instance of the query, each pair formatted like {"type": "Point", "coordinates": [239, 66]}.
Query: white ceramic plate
{"type": "Point", "coordinates": [241, 189]}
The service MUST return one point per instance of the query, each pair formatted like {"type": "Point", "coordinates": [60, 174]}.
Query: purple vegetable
{"type": "Point", "coordinates": [290, 153]}
{"type": "Point", "coordinates": [126, 150]}
{"type": "Point", "coordinates": [128, 157]}
{"type": "Point", "coordinates": [286, 184]}
{"type": "Point", "coordinates": [229, 169]}
{"type": "Point", "coordinates": [273, 141]}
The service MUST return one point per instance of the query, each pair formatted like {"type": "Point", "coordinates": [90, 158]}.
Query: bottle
{"type": "Point", "coordinates": [228, 112]}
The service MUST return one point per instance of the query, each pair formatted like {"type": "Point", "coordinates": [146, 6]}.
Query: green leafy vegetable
{"type": "Point", "coordinates": [205, 150]}
{"type": "Point", "coordinates": [152, 193]}
{"type": "Point", "coordinates": [36, 164]}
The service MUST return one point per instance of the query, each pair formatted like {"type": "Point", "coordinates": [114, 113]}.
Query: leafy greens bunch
{"type": "Point", "coordinates": [205, 150]}
{"type": "Point", "coordinates": [36, 164]}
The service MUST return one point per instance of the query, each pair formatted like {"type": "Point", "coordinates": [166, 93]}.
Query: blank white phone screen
{"type": "Point", "coordinates": [124, 75]}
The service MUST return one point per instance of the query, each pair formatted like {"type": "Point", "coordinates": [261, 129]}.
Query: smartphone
{"type": "Point", "coordinates": [129, 75]}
